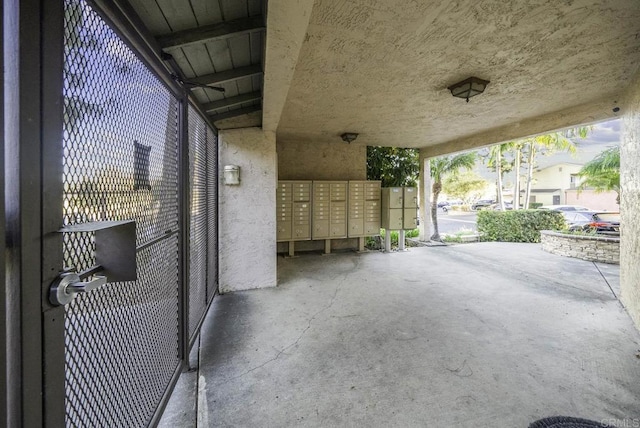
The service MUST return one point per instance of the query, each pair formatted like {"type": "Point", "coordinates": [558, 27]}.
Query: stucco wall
{"type": "Point", "coordinates": [321, 161]}
{"type": "Point", "coordinates": [247, 234]}
{"type": "Point", "coordinates": [630, 203]}
{"type": "Point", "coordinates": [603, 201]}
{"type": "Point", "coordinates": [556, 176]}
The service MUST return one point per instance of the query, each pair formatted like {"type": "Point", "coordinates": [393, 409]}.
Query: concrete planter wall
{"type": "Point", "coordinates": [592, 248]}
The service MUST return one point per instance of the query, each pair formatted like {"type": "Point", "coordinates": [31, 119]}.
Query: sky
{"type": "Point", "coordinates": [603, 136]}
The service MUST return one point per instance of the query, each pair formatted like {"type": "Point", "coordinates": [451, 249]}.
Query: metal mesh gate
{"type": "Point", "coordinates": [212, 212]}
{"type": "Point", "coordinates": [121, 137]}
{"type": "Point", "coordinates": [198, 219]}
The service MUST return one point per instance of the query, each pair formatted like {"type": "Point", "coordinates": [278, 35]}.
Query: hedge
{"type": "Point", "coordinates": [518, 225]}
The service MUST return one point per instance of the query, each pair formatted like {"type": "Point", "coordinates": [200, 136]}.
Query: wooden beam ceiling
{"type": "Point", "coordinates": [231, 102]}
{"type": "Point", "coordinates": [233, 113]}
{"type": "Point", "coordinates": [227, 76]}
{"type": "Point", "coordinates": [222, 30]}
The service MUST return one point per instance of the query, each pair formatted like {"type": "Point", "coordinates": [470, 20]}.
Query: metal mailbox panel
{"type": "Point", "coordinates": [371, 228]}
{"type": "Point", "coordinates": [356, 227]}
{"type": "Point", "coordinates": [284, 231]}
{"type": "Point", "coordinates": [320, 191]}
{"type": "Point", "coordinates": [339, 230]}
{"type": "Point", "coordinates": [392, 197]}
{"type": "Point", "coordinates": [320, 229]}
{"type": "Point", "coordinates": [410, 197]}
{"type": "Point", "coordinates": [410, 218]}
{"type": "Point", "coordinates": [301, 191]}
{"type": "Point", "coordinates": [392, 219]}
{"type": "Point", "coordinates": [372, 190]}
{"type": "Point", "coordinates": [301, 233]}
{"type": "Point", "coordinates": [338, 211]}
{"type": "Point", "coordinates": [301, 221]}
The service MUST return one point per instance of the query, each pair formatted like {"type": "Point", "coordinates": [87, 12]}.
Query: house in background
{"type": "Point", "coordinates": [558, 185]}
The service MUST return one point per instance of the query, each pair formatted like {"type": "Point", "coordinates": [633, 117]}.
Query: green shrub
{"type": "Point", "coordinates": [534, 205]}
{"type": "Point", "coordinates": [519, 225]}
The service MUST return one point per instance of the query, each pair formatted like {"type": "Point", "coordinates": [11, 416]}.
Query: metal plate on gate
{"type": "Point", "coordinates": [115, 247]}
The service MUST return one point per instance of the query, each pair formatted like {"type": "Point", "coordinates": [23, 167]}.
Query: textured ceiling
{"type": "Point", "coordinates": [382, 67]}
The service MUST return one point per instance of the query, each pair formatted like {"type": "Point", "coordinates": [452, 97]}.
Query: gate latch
{"type": "Point", "coordinates": [68, 284]}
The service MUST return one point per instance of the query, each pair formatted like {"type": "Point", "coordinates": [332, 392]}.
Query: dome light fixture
{"type": "Point", "coordinates": [348, 137]}
{"type": "Point", "coordinates": [468, 88]}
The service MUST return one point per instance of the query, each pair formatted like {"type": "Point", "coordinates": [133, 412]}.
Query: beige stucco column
{"type": "Point", "coordinates": [247, 225]}
{"type": "Point", "coordinates": [630, 203]}
{"type": "Point", "coordinates": [425, 197]}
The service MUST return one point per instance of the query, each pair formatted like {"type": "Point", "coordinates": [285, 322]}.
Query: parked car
{"type": "Point", "coordinates": [564, 208]}
{"type": "Point", "coordinates": [482, 204]}
{"type": "Point", "coordinates": [448, 204]}
{"type": "Point", "coordinates": [604, 222]}
{"type": "Point", "coordinates": [507, 206]}
{"type": "Point", "coordinates": [576, 220]}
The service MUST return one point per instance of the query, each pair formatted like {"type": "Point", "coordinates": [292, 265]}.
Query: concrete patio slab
{"type": "Point", "coordinates": [475, 335]}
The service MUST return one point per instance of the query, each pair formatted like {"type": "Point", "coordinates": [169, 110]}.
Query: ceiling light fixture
{"type": "Point", "coordinates": [468, 88]}
{"type": "Point", "coordinates": [348, 137]}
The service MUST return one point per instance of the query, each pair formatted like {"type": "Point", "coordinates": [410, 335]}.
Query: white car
{"type": "Point", "coordinates": [564, 208]}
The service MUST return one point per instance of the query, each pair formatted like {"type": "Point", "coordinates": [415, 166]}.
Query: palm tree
{"type": "Point", "coordinates": [602, 173]}
{"type": "Point", "coordinates": [549, 143]}
{"type": "Point", "coordinates": [496, 161]}
{"type": "Point", "coordinates": [440, 168]}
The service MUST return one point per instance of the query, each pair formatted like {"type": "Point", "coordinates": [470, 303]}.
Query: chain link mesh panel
{"type": "Point", "coordinates": [212, 208]}
{"type": "Point", "coordinates": [198, 219]}
{"type": "Point", "coordinates": [120, 163]}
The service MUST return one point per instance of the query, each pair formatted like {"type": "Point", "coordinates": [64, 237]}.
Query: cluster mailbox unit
{"type": "Point", "coordinates": [325, 210]}
{"type": "Point", "coordinates": [399, 208]}
{"type": "Point", "coordinates": [399, 212]}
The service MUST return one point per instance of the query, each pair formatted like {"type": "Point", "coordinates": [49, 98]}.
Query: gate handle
{"type": "Point", "coordinates": [64, 289]}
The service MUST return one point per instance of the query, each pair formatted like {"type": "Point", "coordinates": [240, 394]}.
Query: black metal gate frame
{"type": "Point", "coordinates": [33, 394]}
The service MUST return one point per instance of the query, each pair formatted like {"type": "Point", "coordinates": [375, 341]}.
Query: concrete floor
{"type": "Point", "coordinates": [475, 335]}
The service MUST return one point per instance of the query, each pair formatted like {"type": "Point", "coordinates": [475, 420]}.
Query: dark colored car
{"type": "Point", "coordinates": [576, 220]}
{"type": "Point", "coordinates": [605, 223]}
{"type": "Point", "coordinates": [599, 222]}
{"type": "Point", "coordinates": [482, 204]}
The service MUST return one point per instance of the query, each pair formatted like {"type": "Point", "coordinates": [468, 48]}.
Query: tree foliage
{"type": "Point", "coordinates": [465, 185]}
{"type": "Point", "coordinates": [603, 172]}
{"type": "Point", "coordinates": [394, 166]}
{"type": "Point", "coordinates": [441, 167]}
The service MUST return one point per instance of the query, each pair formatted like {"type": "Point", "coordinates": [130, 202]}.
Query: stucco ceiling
{"type": "Point", "coordinates": [381, 68]}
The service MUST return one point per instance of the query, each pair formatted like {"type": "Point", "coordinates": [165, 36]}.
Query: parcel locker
{"type": "Point", "coordinates": [392, 219]}
{"type": "Point", "coordinates": [399, 208]}
{"type": "Point", "coordinates": [410, 218]}
{"type": "Point", "coordinates": [410, 198]}
{"type": "Point", "coordinates": [392, 197]}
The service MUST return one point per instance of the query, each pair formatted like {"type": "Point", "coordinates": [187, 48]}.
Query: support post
{"type": "Point", "coordinates": [401, 240]}
{"type": "Point", "coordinates": [424, 188]}
{"type": "Point", "coordinates": [327, 246]}
{"type": "Point", "coordinates": [387, 241]}
{"type": "Point", "coordinates": [361, 244]}
{"type": "Point", "coordinates": [292, 248]}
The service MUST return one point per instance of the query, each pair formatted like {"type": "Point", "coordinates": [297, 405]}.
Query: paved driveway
{"type": "Point", "coordinates": [476, 335]}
